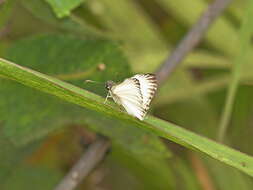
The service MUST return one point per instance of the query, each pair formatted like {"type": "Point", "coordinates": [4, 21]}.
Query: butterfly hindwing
{"type": "Point", "coordinates": [135, 94]}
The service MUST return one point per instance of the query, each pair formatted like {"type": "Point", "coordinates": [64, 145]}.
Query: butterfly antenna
{"type": "Point", "coordinates": [92, 81]}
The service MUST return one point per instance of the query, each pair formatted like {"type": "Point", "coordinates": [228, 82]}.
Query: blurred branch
{"type": "Point", "coordinates": [192, 39]}
{"type": "Point", "coordinates": [201, 171]}
{"type": "Point", "coordinates": [85, 165]}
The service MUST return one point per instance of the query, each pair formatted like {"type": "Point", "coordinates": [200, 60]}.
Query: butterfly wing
{"type": "Point", "coordinates": [148, 87]}
{"type": "Point", "coordinates": [128, 94]}
{"type": "Point", "coordinates": [135, 94]}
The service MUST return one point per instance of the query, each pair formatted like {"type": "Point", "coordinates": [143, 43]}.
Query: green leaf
{"type": "Point", "coordinates": [63, 8]}
{"type": "Point", "coordinates": [152, 177]}
{"type": "Point", "coordinates": [157, 126]}
{"type": "Point", "coordinates": [11, 156]}
{"type": "Point", "coordinates": [66, 57]}
{"type": "Point", "coordinates": [74, 60]}
{"type": "Point", "coordinates": [227, 178]}
{"type": "Point", "coordinates": [41, 10]}
{"type": "Point", "coordinates": [27, 177]}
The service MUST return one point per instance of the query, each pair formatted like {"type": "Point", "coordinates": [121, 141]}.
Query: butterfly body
{"type": "Point", "coordinates": [134, 94]}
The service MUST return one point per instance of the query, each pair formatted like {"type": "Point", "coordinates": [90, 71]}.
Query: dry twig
{"type": "Point", "coordinates": [192, 39]}
{"type": "Point", "coordinates": [85, 165]}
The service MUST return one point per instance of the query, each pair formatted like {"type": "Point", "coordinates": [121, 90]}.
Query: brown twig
{"type": "Point", "coordinates": [201, 172]}
{"type": "Point", "coordinates": [191, 39]}
{"type": "Point", "coordinates": [84, 166]}
{"type": "Point", "coordinates": [2, 1]}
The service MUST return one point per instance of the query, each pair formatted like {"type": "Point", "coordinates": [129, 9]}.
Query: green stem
{"type": "Point", "coordinates": [245, 42]}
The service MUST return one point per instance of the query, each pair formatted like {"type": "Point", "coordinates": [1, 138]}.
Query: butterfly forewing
{"type": "Point", "coordinates": [135, 94]}
{"type": "Point", "coordinates": [128, 95]}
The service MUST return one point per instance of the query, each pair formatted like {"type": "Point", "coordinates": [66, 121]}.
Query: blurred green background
{"type": "Point", "coordinates": [41, 137]}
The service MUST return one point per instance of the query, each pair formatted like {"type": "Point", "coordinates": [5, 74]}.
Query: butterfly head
{"type": "Point", "coordinates": [109, 84]}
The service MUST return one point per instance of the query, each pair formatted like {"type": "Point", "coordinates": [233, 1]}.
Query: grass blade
{"type": "Point", "coordinates": [157, 126]}
{"type": "Point", "coordinates": [244, 50]}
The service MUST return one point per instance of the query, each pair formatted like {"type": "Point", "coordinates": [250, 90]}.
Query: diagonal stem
{"type": "Point", "coordinates": [85, 165]}
{"type": "Point", "coordinates": [192, 39]}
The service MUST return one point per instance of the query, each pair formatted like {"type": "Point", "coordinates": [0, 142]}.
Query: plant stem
{"type": "Point", "coordinates": [85, 165]}
{"type": "Point", "coordinates": [245, 49]}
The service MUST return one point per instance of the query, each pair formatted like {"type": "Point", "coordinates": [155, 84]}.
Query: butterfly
{"type": "Point", "coordinates": [134, 94]}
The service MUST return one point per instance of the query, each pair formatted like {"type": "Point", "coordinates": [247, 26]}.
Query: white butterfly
{"type": "Point", "coordinates": [134, 94]}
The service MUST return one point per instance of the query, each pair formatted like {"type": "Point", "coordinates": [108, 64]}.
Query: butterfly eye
{"type": "Point", "coordinates": [109, 84]}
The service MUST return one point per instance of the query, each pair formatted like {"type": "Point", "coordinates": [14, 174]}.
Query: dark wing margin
{"type": "Point", "coordinates": [148, 86]}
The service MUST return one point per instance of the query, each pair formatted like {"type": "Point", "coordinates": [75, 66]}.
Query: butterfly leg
{"type": "Point", "coordinates": [107, 96]}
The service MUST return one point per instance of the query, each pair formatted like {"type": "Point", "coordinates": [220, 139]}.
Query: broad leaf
{"type": "Point", "coordinates": [73, 59]}
{"type": "Point", "coordinates": [27, 177]}
{"type": "Point", "coordinates": [67, 58]}
{"type": "Point", "coordinates": [41, 10]}
{"type": "Point", "coordinates": [11, 156]}
{"type": "Point", "coordinates": [63, 7]}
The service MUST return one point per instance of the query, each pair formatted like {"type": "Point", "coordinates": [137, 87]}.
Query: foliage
{"type": "Point", "coordinates": [49, 48]}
